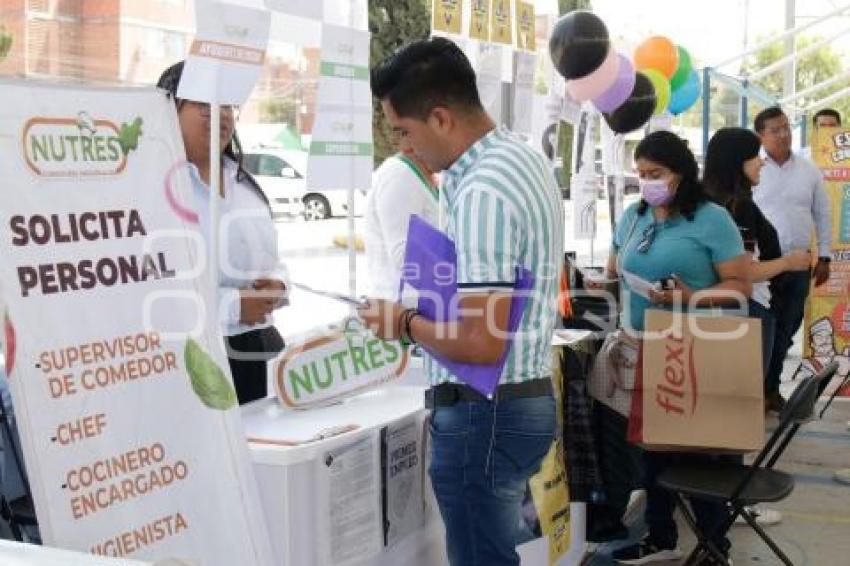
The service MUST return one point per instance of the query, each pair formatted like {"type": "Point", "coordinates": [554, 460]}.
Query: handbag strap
{"type": "Point", "coordinates": [625, 244]}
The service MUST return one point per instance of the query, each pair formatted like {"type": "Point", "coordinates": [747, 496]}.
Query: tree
{"type": "Point", "coordinates": [5, 42]}
{"type": "Point", "coordinates": [819, 65]}
{"type": "Point", "coordinates": [393, 24]}
{"type": "Point", "coordinates": [278, 111]}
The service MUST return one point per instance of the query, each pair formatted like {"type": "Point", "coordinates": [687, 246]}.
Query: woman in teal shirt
{"type": "Point", "coordinates": [675, 235]}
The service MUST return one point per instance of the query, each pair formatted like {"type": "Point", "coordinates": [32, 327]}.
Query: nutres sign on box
{"type": "Point", "coordinates": [334, 364]}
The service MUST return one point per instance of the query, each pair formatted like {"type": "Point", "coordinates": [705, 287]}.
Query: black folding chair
{"type": "Point", "coordinates": [18, 512]}
{"type": "Point", "coordinates": [741, 485]}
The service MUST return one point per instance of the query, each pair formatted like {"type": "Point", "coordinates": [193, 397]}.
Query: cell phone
{"type": "Point", "coordinates": [667, 283]}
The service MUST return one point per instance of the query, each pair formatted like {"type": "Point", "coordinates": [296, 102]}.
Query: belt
{"type": "Point", "coordinates": [449, 394]}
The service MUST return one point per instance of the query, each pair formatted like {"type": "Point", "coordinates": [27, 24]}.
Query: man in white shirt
{"type": "Point", "coordinates": [791, 195]}
{"type": "Point", "coordinates": [402, 186]}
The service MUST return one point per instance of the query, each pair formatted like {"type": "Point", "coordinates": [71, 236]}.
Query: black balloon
{"type": "Point", "coordinates": [579, 44]}
{"type": "Point", "coordinates": [636, 110]}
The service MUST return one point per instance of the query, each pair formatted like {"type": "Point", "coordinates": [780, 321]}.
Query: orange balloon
{"type": "Point", "coordinates": [659, 53]}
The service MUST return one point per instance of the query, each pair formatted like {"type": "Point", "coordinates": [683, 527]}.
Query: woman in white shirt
{"type": "Point", "coordinates": [251, 277]}
{"type": "Point", "coordinates": [402, 186]}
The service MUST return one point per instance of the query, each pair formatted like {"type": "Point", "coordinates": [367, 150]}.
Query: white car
{"type": "Point", "coordinates": [281, 173]}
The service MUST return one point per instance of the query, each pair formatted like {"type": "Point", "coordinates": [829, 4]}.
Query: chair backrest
{"type": "Point", "coordinates": [800, 407]}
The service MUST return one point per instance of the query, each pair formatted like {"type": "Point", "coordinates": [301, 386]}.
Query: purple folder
{"type": "Point", "coordinates": [430, 267]}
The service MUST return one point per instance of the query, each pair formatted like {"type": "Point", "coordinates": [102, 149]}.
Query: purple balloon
{"type": "Point", "coordinates": [618, 92]}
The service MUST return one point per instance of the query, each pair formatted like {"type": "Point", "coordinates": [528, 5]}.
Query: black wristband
{"type": "Point", "coordinates": [825, 259]}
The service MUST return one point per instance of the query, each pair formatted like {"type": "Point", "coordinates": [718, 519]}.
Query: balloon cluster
{"type": "Point", "coordinates": [627, 93]}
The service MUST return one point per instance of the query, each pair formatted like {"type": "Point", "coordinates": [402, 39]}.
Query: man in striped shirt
{"type": "Point", "coordinates": [501, 207]}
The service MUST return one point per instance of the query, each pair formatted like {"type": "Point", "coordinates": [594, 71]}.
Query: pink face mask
{"type": "Point", "coordinates": [655, 192]}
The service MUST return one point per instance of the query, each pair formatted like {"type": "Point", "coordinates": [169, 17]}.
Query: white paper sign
{"type": "Point", "coordinates": [402, 469]}
{"type": "Point", "coordinates": [523, 91]}
{"type": "Point", "coordinates": [488, 70]}
{"type": "Point", "coordinates": [341, 147]}
{"type": "Point", "coordinates": [128, 419]}
{"type": "Point", "coordinates": [584, 185]}
{"type": "Point", "coordinates": [227, 54]}
{"type": "Point", "coordinates": [348, 497]}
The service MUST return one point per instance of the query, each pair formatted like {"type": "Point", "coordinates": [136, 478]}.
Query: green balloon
{"type": "Point", "coordinates": [662, 89]}
{"type": "Point", "coordinates": [683, 71]}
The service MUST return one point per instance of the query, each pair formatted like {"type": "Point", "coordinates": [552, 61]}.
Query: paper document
{"type": "Point", "coordinates": [594, 276]}
{"type": "Point", "coordinates": [639, 285]}
{"type": "Point", "coordinates": [347, 299]}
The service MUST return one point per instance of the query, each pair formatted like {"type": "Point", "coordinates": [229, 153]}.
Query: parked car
{"type": "Point", "coordinates": [281, 173]}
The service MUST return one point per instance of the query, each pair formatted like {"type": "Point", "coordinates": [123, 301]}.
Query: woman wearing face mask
{"type": "Point", "coordinates": [251, 281]}
{"type": "Point", "coordinates": [675, 235]}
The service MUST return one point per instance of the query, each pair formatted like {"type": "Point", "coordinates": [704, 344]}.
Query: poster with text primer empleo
{"type": "Point", "coordinates": [128, 418]}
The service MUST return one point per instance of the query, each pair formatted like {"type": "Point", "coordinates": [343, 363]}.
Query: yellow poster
{"type": "Point", "coordinates": [525, 25]}
{"type": "Point", "coordinates": [447, 16]}
{"type": "Point", "coordinates": [479, 23]}
{"type": "Point", "coordinates": [827, 326]}
{"type": "Point", "coordinates": [552, 501]}
{"type": "Point", "coordinates": [500, 24]}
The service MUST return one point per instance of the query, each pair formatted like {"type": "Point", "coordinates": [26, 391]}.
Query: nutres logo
{"type": "Point", "coordinates": [78, 147]}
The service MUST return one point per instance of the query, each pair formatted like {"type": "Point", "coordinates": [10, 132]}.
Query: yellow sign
{"type": "Point", "coordinates": [479, 23]}
{"type": "Point", "coordinates": [827, 327]}
{"type": "Point", "coordinates": [525, 25]}
{"type": "Point", "coordinates": [552, 501]}
{"type": "Point", "coordinates": [500, 23]}
{"type": "Point", "coordinates": [447, 16]}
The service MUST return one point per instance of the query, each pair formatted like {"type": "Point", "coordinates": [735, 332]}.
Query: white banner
{"type": "Point", "coordinates": [341, 147]}
{"type": "Point", "coordinates": [523, 91]}
{"type": "Point", "coordinates": [227, 53]}
{"type": "Point", "coordinates": [584, 185]}
{"type": "Point", "coordinates": [488, 70]}
{"type": "Point", "coordinates": [312, 9]}
{"type": "Point", "coordinates": [129, 422]}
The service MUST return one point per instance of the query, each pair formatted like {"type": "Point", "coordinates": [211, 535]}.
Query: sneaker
{"type": "Point", "coordinates": [645, 552]}
{"type": "Point", "coordinates": [764, 516]}
{"type": "Point", "coordinates": [842, 476]}
{"type": "Point", "coordinates": [708, 559]}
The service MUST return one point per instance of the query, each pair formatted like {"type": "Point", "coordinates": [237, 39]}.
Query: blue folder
{"type": "Point", "coordinates": [430, 267]}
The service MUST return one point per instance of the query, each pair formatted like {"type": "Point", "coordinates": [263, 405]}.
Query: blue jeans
{"type": "Point", "coordinates": [789, 302]}
{"type": "Point", "coordinates": [482, 454]}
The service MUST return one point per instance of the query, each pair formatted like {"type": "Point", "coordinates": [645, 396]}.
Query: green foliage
{"type": "Point", "coordinates": [278, 111]}
{"type": "Point", "coordinates": [815, 67]}
{"type": "Point", "coordinates": [393, 24]}
{"type": "Point", "coordinates": [5, 42]}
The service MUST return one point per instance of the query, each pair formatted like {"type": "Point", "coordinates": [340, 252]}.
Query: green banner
{"type": "Point", "coordinates": [343, 71]}
{"type": "Point", "coordinates": [326, 148]}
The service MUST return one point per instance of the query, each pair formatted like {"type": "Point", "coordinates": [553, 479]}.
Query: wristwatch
{"type": "Point", "coordinates": [825, 259]}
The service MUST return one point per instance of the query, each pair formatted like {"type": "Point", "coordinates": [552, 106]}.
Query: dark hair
{"type": "Point", "coordinates": [826, 112]}
{"type": "Point", "coordinates": [425, 74]}
{"type": "Point", "coordinates": [671, 151]}
{"type": "Point", "coordinates": [765, 115]}
{"type": "Point", "coordinates": [723, 176]}
{"type": "Point", "coordinates": [169, 81]}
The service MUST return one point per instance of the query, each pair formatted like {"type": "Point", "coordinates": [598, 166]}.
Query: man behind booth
{"type": "Point", "coordinates": [791, 195]}
{"type": "Point", "coordinates": [501, 207]}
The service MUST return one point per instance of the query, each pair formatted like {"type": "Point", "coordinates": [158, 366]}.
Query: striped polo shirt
{"type": "Point", "coordinates": [500, 205]}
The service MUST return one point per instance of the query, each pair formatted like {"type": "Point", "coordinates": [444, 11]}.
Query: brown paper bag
{"type": "Point", "coordinates": [701, 384]}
